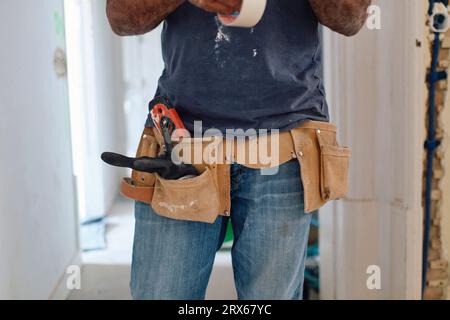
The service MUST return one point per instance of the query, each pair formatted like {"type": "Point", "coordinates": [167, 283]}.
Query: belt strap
{"type": "Point", "coordinates": [129, 189]}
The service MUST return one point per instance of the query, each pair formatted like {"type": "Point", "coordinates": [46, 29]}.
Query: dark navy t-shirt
{"type": "Point", "coordinates": [267, 77]}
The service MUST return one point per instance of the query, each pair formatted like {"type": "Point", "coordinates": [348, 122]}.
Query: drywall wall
{"type": "Point", "coordinates": [108, 68]}
{"type": "Point", "coordinates": [95, 89]}
{"type": "Point", "coordinates": [377, 96]}
{"type": "Point", "coordinates": [37, 209]}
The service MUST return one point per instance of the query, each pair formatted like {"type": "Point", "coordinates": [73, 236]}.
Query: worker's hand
{"type": "Point", "coordinates": [224, 7]}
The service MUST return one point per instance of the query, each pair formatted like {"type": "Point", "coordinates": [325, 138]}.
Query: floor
{"type": "Point", "coordinates": [106, 273]}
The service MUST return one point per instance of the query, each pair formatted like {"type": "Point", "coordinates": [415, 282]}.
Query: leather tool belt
{"type": "Point", "coordinates": [324, 167]}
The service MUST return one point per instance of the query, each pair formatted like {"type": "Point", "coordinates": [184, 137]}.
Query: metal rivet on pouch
{"type": "Point", "coordinates": [143, 178]}
{"type": "Point", "coordinates": [227, 213]}
{"type": "Point", "coordinates": [318, 131]}
{"type": "Point", "coordinates": [300, 154]}
{"type": "Point", "coordinates": [144, 136]}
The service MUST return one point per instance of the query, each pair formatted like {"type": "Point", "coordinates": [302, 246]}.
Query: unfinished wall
{"type": "Point", "coordinates": [37, 209]}
{"type": "Point", "coordinates": [444, 124]}
{"type": "Point", "coordinates": [437, 280]}
{"type": "Point", "coordinates": [445, 185]}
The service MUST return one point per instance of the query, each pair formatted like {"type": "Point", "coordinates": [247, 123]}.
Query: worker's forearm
{"type": "Point", "coordinates": [133, 17]}
{"type": "Point", "coordinates": [343, 16]}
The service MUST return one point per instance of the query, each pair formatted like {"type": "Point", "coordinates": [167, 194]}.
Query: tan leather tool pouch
{"type": "Point", "coordinates": [191, 199]}
{"type": "Point", "coordinates": [324, 164]}
{"type": "Point", "coordinates": [334, 169]}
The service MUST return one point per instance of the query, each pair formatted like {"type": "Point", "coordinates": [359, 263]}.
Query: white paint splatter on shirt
{"type": "Point", "coordinates": [221, 35]}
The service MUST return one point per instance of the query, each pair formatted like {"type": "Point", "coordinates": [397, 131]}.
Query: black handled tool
{"type": "Point", "coordinates": [162, 166]}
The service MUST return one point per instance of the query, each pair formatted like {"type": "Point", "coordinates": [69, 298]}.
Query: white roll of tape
{"type": "Point", "coordinates": [251, 13]}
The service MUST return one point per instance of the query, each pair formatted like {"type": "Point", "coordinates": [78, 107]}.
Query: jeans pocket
{"type": "Point", "coordinates": [194, 199]}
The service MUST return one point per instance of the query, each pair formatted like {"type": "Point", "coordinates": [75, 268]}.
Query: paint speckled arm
{"type": "Point", "coordinates": [134, 17]}
{"type": "Point", "coordinates": [346, 17]}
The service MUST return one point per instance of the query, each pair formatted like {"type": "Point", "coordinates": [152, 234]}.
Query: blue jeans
{"type": "Point", "coordinates": [173, 259]}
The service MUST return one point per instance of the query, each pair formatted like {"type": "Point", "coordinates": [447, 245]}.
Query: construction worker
{"type": "Point", "coordinates": [266, 77]}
